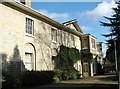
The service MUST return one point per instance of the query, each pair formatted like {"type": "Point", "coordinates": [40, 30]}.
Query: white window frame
{"type": "Point", "coordinates": [28, 61]}
{"type": "Point", "coordinates": [93, 43]}
{"type": "Point", "coordinates": [29, 26]}
{"type": "Point", "coordinates": [54, 35]}
{"type": "Point", "coordinates": [64, 38]}
{"type": "Point", "coordinates": [72, 41]}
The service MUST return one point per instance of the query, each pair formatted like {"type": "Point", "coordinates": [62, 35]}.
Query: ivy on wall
{"type": "Point", "coordinates": [87, 55]}
{"type": "Point", "coordinates": [67, 57]}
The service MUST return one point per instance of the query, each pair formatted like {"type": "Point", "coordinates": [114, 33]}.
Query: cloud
{"type": "Point", "coordinates": [104, 48]}
{"type": "Point", "coordinates": [86, 29]}
{"type": "Point", "coordinates": [102, 9]}
{"type": "Point", "coordinates": [55, 16]}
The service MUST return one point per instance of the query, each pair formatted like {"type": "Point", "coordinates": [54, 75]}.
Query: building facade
{"type": "Point", "coordinates": [31, 39]}
{"type": "Point", "coordinates": [92, 54]}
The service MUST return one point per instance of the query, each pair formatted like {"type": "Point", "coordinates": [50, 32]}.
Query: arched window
{"type": "Point", "coordinates": [29, 59]}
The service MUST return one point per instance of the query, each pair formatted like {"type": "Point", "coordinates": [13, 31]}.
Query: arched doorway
{"type": "Point", "coordinates": [30, 57]}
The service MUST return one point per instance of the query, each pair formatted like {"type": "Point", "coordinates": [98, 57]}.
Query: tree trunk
{"type": "Point", "coordinates": [118, 58]}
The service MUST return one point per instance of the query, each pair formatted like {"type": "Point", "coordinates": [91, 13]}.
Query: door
{"type": "Point", "coordinates": [85, 69]}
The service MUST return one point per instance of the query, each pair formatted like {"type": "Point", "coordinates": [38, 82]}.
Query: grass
{"type": "Point", "coordinates": [110, 78]}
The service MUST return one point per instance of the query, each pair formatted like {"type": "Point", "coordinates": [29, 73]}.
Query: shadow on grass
{"type": "Point", "coordinates": [110, 78]}
{"type": "Point", "coordinates": [76, 86]}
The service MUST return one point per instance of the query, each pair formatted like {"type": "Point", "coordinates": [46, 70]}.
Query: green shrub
{"type": "Point", "coordinates": [66, 74]}
{"type": "Point", "coordinates": [74, 74]}
{"type": "Point", "coordinates": [58, 76]}
{"type": "Point", "coordinates": [10, 81]}
{"type": "Point", "coordinates": [70, 74]}
{"type": "Point", "coordinates": [32, 78]}
{"type": "Point", "coordinates": [65, 60]}
{"type": "Point", "coordinates": [28, 79]}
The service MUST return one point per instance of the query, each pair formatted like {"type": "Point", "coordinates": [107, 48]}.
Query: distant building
{"type": "Point", "coordinates": [92, 54]}
{"type": "Point", "coordinates": [99, 52]}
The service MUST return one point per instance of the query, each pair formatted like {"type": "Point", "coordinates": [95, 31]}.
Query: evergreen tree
{"type": "Point", "coordinates": [110, 53]}
{"type": "Point", "coordinates": [114, 25]}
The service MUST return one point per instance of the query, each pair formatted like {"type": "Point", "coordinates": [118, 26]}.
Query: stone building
{"type": "Point", "coordinates": [99, 52]}
{"type": "Point", "coordinates": [92, 54]}
{"type": "Point", "coordinates": [31, 39]}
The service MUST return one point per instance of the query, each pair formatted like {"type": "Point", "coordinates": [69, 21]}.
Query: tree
{"type": "Point", "coordinates": [110, 53]}
{"type": "Point", "coordinates": [114, 25]}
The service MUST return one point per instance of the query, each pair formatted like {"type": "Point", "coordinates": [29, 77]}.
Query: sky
{"type": "Point", "coordinates": [87, 13]}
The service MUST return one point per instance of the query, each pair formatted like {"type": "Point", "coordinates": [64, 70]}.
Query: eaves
{"type": "Point", "coordinates": [18, 6]}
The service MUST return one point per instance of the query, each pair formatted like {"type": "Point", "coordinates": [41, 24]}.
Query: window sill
{"type": "Point", "coordinates": [54, 42]}
{"type": "Point", "coordinates": [29, 35]}
{"type": "Point", "coordinates": [93, 48]}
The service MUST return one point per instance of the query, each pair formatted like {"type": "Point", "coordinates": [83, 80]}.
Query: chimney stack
{"type": "Point", "coordinates": [26, 2]}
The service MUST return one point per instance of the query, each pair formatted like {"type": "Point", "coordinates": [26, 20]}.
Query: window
{"type": "Point", "coordinates": [64, 39]}
{"type": "Point", "coordinates": [84, 43]}
{"type": "Point", "coordinates": [54, 35]}
{"type": "Point", "coordinates": [53, 60]}
{"type": "Point", "coordinates": [28, 61]}
{"type": "Point", "coordinates": [29, 26]}
{"type": "Point", "coordinates": [93, 43]}
{"type": "Point", "coordinates": [99, 48]}
{"type": "Point", "coordinates": [72, 41]}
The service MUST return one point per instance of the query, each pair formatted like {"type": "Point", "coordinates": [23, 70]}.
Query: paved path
{"type": "Point", "coordinates": [96, 82]}
{"type": "Point", "coordinates": [104, 79]}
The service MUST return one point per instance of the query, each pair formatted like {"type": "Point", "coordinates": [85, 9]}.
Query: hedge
{"type": "Point", "coordinates": [27, 79]}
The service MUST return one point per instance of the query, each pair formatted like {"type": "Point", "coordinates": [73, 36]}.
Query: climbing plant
{"type": "Point", "coordinates": [67, 57]}
{"type": "Point", "coordinates": [87, 55]}
{"type": "Point", "coordinates": [65, 60]}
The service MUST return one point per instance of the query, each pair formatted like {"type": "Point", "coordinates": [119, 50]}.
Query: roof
{"type": "Point", "coordinates": [27, 10]}
{"type": "Point", "coordinates": [70, 21]}
{"type": "Point", "coordinates": [99, 42]}
{"type": "Point", "coordinates": [75, 23]}
{"type": "Point", "coordinates": [90, 35]}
